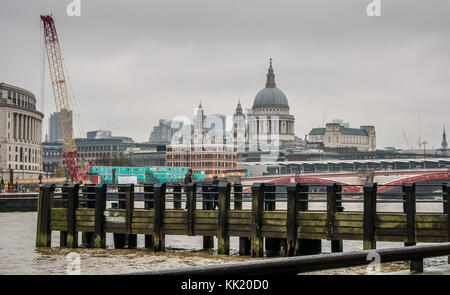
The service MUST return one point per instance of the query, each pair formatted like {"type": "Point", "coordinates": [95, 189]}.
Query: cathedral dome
{"type": "Point", "coordinates": [270, 96]}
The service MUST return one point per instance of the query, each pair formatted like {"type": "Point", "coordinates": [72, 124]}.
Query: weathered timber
{"type": "Point", "coordinates": [160, 201]}
{"type": "Point", "coordinates": [207, 204]}
{"type": "Point", "coordinates": [273, 246]}
{"type": "Point", "coordinates": [177, 196]}
{"type": "Point", "coordinates": [71, 191]}
{"type": "Point", "coordinates": [223, 239]}
{"type": "Point", "coordinates": [149, 203]}
{"type": "Point", "coordinates": [308, 243]}
{"type": "Point", "coordinates": [370, 211]}
{"type": "Point", "coordinates": [43, 232]}
{"type": "Point", "coordinates": [333, 206]}
{"type": "Point", "coordinates": [191, 191]}
{"type": "Point", "coordinates": [293, 190]}
{"type": "Point", "coordinates": [256, 248]}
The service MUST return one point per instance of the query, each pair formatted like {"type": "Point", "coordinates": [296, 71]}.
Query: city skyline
{"type": "Point", "coordinates": [383, 72]}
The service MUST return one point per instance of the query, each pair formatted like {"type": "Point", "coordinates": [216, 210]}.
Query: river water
{"type": "Point", "coordinates": [18, 254]}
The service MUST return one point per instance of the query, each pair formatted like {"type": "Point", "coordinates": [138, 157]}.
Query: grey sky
{"type": "Point", "coordinates": [134, 62]}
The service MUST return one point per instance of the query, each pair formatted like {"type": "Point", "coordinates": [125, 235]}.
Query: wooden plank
{"type": "Point", "coordinates": [311, 215]}
{"type": "Point", "coordinates": [142, 225]}
{"type": "Point", "coordinates": [345, 223]}
{"type": "Point", "coordinates": [257, 247]}
{"type": "Point", "coordinates": [86, 223]}
{"type": "Point", "coordinates": [62, 228]}
{"type": "Point", "coordinates": [85, 211]}
{"type": "Point", "coordinates": [240, 214]}
{"type": "Point", "coordinates": [431, 225]}
{"type": "Point", "coordinates": [349, 230]}
{"type": "Point", "coordinates": [113, 212]}
{"type": "Point", "coordinates": [273, 228]}
{"type": "Point", "coordinates": [431, 217]}
{"type": "Point", "coordinates": [86, 229]}
{"type": "Point", "coordinates": [206, 221]}
{"type": "Point", "coordinates": [141, 231]}
{"type": "Point", "coordinates": [302, 222]}
{"type": "Point", "coordinates": [431, 233]}
{"type": "Point", "coordinates": [109, 224]}
{"type": "Point", "coordinates": [239, 221]}
{"type": "Point", "coordinates": [143, 220]}
{"type": "Point", "coordinates": [431, 239]}
{"type": "Point", "coordinates": [387, 238]}
{"type": "Point", "coordinates": [278, 222]}
{"type": "Point", "coordinates": [175, 213]}
{"type": "Point", "coordinates": [191, 206]}
{"type": "Point", "coordinates": [58, 223]}
{"type": "Point", "coordinates": [237, 233]}
{"type": "Point", "coordinates": [274, 215]}
{"type": "Point", "coordinates": [390, 217]}
{"type": "Point", "coordinates": [175, 226]}
{"type": "Point", "coordinates": [394, 225]}
{"type": "Point", "coordinates": [315, 229]}
{"type": "Point", "coordinates": [312, 236]}
{"type": "Point", "coordinates": [208, 233]}
{"type": "Point", "coordinates": [138, 213]}
{"type": "Point", "coordinates": [206, 214]}
{"type": "Point", "coordinates": [293, 198]}
{"type": "Point", "coordinates": [349, 216]}
{"type": "Point", "coordinates": [205, 226]}
{"type": "Point", "coordinates": [238, 227]}
{"type": "Point", "coordinates": [168, 220]}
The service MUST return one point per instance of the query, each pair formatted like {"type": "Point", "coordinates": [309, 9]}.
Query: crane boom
{"type": "Point", "coordinates": [61, 95]}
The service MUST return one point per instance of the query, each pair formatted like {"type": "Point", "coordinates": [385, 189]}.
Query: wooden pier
{"type": "Point", "coordinates": [261, 229]}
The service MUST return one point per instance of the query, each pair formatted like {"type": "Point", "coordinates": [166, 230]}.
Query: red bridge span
{"type": "Point", "coordinates": [353, 181]}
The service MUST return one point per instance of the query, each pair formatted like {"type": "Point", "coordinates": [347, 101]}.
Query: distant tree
{"type": "Point", "coordinates": [60, 172]}
{"type": "Point", "coordinates": [121, 161]}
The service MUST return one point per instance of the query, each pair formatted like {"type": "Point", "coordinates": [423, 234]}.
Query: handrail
{"type": "Point", "coordinates": [299, 264]}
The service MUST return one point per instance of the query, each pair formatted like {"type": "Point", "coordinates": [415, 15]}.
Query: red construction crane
{"type": "Point", "coordinates": [61, 95]}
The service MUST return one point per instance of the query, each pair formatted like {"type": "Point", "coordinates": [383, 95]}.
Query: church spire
{"type": "Point", "coordinates": [444, 140]}
{"type": "Point", "coordinates": [270, 77]}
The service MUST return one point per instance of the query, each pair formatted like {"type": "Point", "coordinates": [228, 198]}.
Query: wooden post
{"type": "Point", "coordinates": [89, 190]}
{"type": "Point", "coordinates": [43, 233]}
{"type": "Point", "coordinates": [257, 248]}
{"type": "Point", "coordinates": [100, 207]}
{"type": "Point", "coordinates": [223, 239]}
{"type": "Point", "coordinates": [272, 245]}
{"type": "Point", "coordinates": [160, 206]}
{"type": "Point", "coordinates": [307, 246]}
{"type": "Point", "coordinates": [126, 201]}
{"type": "Point", "coordinates": [409, 204]}
{"type": "Point", "coordinates": [244, 242]}
{"type": "Point", "coordinates": [207, 204]}
{"type": "Point", "coordinates": [191, 190]}
{"type": "Point", "coordinates": [370, 211]}
{"type": "Point", "coordinates": [293, 190]}
{"type": "Point", "coordinates": [63, 203]}
{"type": "Point", "coordinates": [72, 205]}
{"type": "Point", "coordinates": [409, 207]}
{"type": "Point", "coordinates": [333, 197]}
{"type": "Point", "coordinates": [446, 197]}
{"type": "Point", "coordinates": [149, 203]}
{"type": "Point", "coordinates": [177, 196]}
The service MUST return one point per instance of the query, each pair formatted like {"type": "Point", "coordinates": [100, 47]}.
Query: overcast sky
{"type": "Point", "coordinates": [133, 62]}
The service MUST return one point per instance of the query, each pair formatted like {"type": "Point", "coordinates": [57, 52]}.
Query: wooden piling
{"type": "Point", "coordinates": [99, 219]}
{"type": "Point", "coordinates": [72, 206]}
{"type": "Point", "coordinates": [272, 245]}
{"type": "Point", "coordinates": [409, 207]}
{"type": "Point", "coordinates": [126, 201]}
{"type": "Point", "coordinates": [160, 206]}
{"type": "Point", "coordinates": [293, 190]}
{"type": "Point", "coordinates": [149, 203]}
{"type": "Point", "coordinates": [370, 210]}
{"type": "Point", "coordinates": [89, 191]}
{"type": "Point", "coordinates": [43, 233]}
{"type": "Point", "coordinates": [191, 192]}
{"type": "Point", "coordinates": [307, 246]}
{"type": "Point", "coordinates": [333, 197]}
{"type": "Point", "coordinates": [207, 204]}
{"type": "Point", "coordinates": [257, 246]}
{"type": "Point", "coordinates": [223, 239]}
{"type": "Point", "coordinates": [244, 242]}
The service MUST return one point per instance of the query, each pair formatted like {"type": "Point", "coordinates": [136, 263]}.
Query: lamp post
{"type": "Point", "coordinates": [424, 153]}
